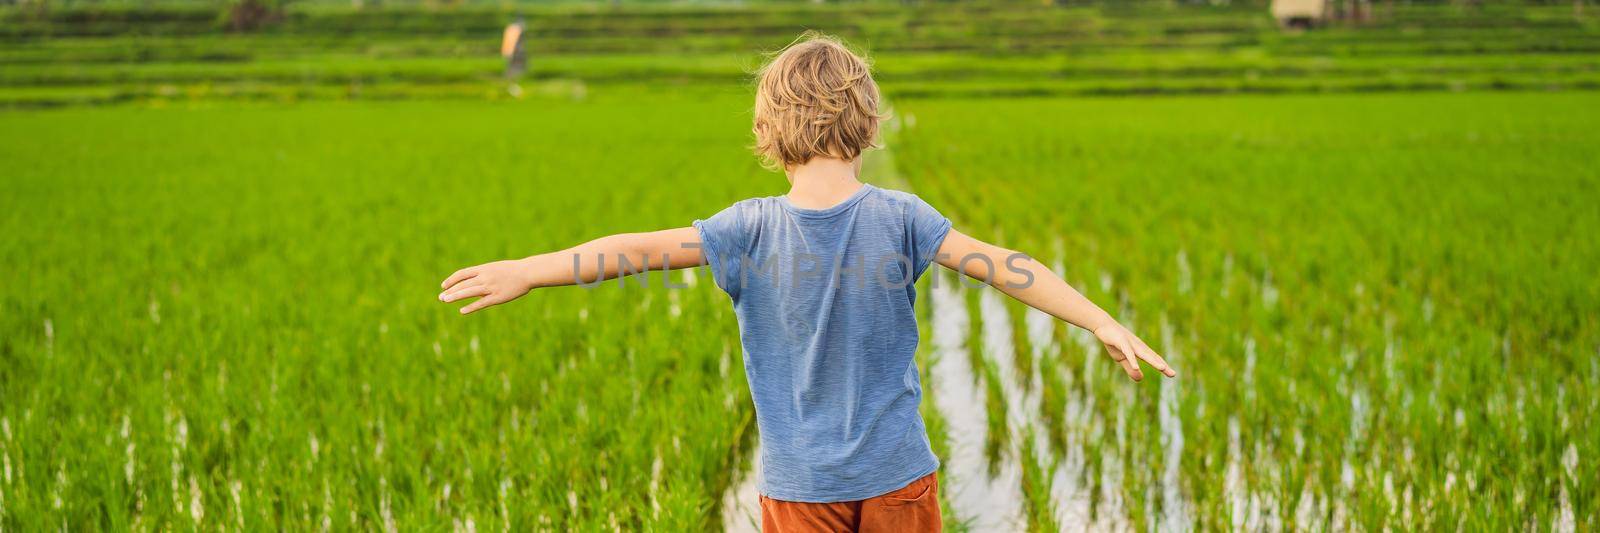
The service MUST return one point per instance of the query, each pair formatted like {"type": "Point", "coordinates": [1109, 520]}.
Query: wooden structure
{"type": "Point", "coordinates": [1301, 14]}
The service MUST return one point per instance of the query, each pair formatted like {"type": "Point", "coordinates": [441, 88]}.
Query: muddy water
{"type": "Point", "coordinates": [741, 504]}
{"type": "Point", "coordinates": [985, 503]}
{"type": "Point", "coordinates": [1175, 508]}
{"type": "Point", "coordinates": [1069, 500]}
{"type": "Point", "coordinates": [1071, 497]}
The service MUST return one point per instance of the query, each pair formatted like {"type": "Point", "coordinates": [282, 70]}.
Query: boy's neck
{"type": "Point", "coordinates": [823, 182]}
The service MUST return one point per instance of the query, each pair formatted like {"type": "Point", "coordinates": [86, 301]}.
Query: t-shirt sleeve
{"type": "Point", "coordinates": [724, 241]}
{"type": "Point", "coordinates": [926, 229]}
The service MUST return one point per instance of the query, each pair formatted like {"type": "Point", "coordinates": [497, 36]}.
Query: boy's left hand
{"type": "Point", "coordinates": [492, 283]}
{"type": "Point", "coordinates": [1126, 348]}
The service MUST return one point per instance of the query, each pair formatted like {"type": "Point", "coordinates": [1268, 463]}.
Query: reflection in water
{"type": "Point", "coordinates": [987, 504]}
{"type": "Point", "coordinates": [1175, 510]}
{"type": "Point", "coordinates": [741, 505]}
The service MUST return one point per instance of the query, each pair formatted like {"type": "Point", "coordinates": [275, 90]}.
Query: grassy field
{"type": "Point", "coordinates": [1367, 249]}
{"type": "Point", "coordinates": [97, 54]}
{"type": "Point", "coordinates": [240, 328]}
{"type": "Point", "coordinates": [1383, 304]}
{"type": "Point", "coordinates": [1386, 298]}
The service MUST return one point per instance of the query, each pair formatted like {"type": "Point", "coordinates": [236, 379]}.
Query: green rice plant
{"type": "Point", "coordinates": [932, 419]}
{"type": "Point", "coordinates": [240, 330]}
{"type": "Point", "coordinates": [1037, 479]}
{"type": "Point", "coordinates": [1382, 295]}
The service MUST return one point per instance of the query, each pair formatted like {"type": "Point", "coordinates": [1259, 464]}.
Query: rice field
{"type": "Point", "coordinates": [1382, 308]}
{"type": "Point", "coordinates": [237, 332]}
{"type": "Point", "coordinates": [167, 52]}
{"type": "Point", "coordinates": [1369, 252]}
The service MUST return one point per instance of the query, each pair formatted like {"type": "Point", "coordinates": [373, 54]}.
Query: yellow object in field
{"type": "Point", "coordinates": [513, 37]}
{"type": "Point", "coordinates": [1299, 13]}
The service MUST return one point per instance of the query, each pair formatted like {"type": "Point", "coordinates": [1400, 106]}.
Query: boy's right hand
{"type": "Point", "coordinates": [492, 283]}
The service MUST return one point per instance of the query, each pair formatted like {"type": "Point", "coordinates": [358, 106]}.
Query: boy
{"type": "Point", "coordinates": [821, 280]}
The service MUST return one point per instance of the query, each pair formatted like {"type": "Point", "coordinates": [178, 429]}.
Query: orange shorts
{"type": "Point", "coordinates": [912, 508]}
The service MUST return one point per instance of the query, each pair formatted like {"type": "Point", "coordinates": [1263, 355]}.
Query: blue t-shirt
{"type": "Point", "coordinates": [825, 300]}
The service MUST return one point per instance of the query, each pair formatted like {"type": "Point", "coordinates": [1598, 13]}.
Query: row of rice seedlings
{"type": "Point", "coordinates": [221, 378]}
{"type": "Point", "coordinates": [1333, 378]}
{"type": "Point", "coordinates": [983, 497]}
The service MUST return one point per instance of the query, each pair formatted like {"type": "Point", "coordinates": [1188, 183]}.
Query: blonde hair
{"type": "Point", "coordinates": [815, 98]}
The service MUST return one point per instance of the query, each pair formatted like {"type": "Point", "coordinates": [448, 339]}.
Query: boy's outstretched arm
{"type": "Point", "coordinates": [503, 281]}
{"type": "Point", "coordinates": [1030, 282]}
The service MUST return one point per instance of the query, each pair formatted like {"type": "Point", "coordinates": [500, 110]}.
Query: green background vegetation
{"type": "Point", "coordinates": [1369, 248]}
